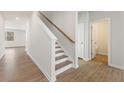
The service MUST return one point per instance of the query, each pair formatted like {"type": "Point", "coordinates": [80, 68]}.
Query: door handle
{"type": "Point", "coordinates": [94, 42]}
{"type": "Point", "coordinates": [81, 42]}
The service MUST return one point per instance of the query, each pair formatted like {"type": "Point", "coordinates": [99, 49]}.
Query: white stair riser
{"type": "Point", "coordinates": [57, 49]}
{"type": "Point", "coordinates": [61, 60]}
{"type": "Point", "coordinates": [59, 71]}
{"type": "Point", "coordinates": [56, 45]}
{"type": "Point", "coordinates": [59, 54]}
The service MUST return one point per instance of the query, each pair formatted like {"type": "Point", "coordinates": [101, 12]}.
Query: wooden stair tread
{"type": "Point", "coordinates": [58, 47]}
{"type": "Point", "coordinates": [59, 51]}
{"type": "Point", "coordinates": [61, 57]}
{"type": "Point", "coordinates": [63, 64]}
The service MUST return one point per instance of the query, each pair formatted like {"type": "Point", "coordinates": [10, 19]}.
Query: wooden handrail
{"type": "Point", "coordinates": [57, 28]}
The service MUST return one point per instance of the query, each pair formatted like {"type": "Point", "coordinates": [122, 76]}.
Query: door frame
{"type": "Point", "coordinates": [109, 38]}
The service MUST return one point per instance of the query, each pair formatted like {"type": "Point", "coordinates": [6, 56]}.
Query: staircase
{"type": "Point", "coordinates": [62, 62]}
{"type": "Point", "coordinates": [61, 59]}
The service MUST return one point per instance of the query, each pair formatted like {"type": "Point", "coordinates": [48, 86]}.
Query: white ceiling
{"type": "Point", "coordinates": [11, 22]}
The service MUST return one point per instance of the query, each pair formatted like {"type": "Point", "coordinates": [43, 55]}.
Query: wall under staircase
{"type": "Point", "coordinates": [51, 51]}
{"type": "Point", "coordinates": [41, 47]}
{"type": "Point", "coordinates": [69, 47]}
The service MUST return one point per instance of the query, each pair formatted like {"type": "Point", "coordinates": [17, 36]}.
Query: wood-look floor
{"type": "Point", "coordinates": [17, 66]}
{"type": "Point", "coordinates": [101, 58]}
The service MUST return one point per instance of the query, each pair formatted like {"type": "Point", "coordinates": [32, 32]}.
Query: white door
{"type": "Point", "coordinates": [81, 40]}
{"type": "Point", "coordinates": [94, 42]}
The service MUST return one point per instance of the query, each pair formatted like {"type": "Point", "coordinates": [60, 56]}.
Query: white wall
{"type": "Point", "coordinates": [117, 35]}
{"type": "Point", "coordinates": [16, 19]}
{"type": "Point", "coordinates": [62, 19]}
{"type": "Point", "coordinates": [101, 35]}
{"type": "Point", "coordinates": [40, 46]}
{"type": "Point", "coordinates": [2, 49]}
{"type": "Point", "coordinates": [65, 20]}
{"type": "Point", "coordinates": [19, 38]}
{"type": "Point", "coordinates": [10, 24]}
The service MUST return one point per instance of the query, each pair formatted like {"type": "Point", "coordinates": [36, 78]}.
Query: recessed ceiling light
{"type": "Point", "coordinates": [17, 18]}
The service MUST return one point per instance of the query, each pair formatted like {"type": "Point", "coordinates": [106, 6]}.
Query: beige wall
{"type": "Point", "coordinates": [101, 34]}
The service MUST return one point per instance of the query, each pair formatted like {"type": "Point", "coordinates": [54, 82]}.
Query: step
{"type": "Point", "coordinates": [63, 67]}
{"type": "Point", "coordinates": [59, 51]}
{"type": "Point", "coordinates": [63, 64]}
{"type": "Point", "coordinates": [60, 57]}
{"type": "Point", "coordinates": [59, 54]}
{"type": "Point", "coordinates": [61, 60]}
{"type": "Point", "coordinates": [58, 47]}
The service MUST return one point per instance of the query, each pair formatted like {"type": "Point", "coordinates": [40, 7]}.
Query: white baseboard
{"type": "Point", "coordinates": [103, 53]}
{"type": "Point", "coordinates": [42, 70]}
{"type": "Point", "coordinates": [86, 59]}
{"type": "Point", "coordinates": [75, 65]}
{"type": "Point", "coordinates": [1, 56]}
{"type": "Point", "coordinates": [116, 66]}
{"type": "Point", "coordinates": [64, 69]}
{"type": "Point", "coordinates": [15, 47]}
{"type": "Point", "coordinates": [26, 50]}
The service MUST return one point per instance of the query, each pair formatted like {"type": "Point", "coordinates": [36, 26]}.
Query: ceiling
{"type": "Point", "coordinates": [21, 14]}
{"type": "Point", "coordinates": [16, 19]}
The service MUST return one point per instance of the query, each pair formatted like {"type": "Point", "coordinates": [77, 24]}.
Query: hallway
{"type": "Point", "coordinates": [92, 71]}
{"type": "Point", "coordinates": [16, 66]}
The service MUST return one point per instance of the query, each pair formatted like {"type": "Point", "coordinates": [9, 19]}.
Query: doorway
{"type": "Point", "coordinates": [100, 40]}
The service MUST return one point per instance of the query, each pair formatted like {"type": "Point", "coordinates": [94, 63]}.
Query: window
{"type": "Point", "coordinates": [9, 36]}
